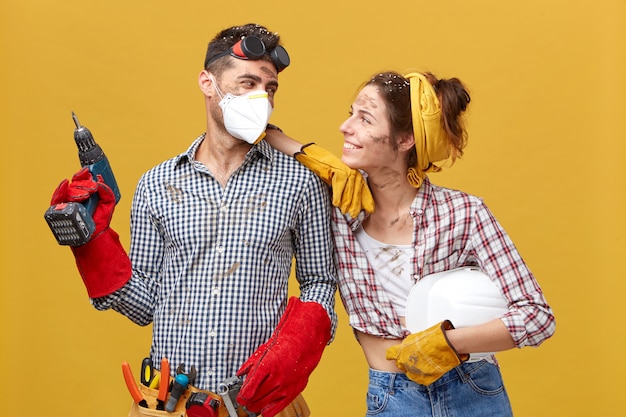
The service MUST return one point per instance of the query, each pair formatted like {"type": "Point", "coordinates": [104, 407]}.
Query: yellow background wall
{"type": "Point", "coordinates": [547, 139]}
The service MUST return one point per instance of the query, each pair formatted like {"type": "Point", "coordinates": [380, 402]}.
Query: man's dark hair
{"type": "Point", "coordinates": [224, 40]}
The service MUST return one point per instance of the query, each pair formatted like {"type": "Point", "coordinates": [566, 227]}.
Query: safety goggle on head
{"type": "Point", "coordinates": [252, 47]}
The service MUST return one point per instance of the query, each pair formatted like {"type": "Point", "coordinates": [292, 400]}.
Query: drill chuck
{"type": "Point", "coordinates": [89, 152]}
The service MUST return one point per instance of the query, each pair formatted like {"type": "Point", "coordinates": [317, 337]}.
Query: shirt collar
{"type": "Point", "coordinates": [262, 148]}
{"type": "Point", "coordinates": [422, 199]}
{"type": "Point", "coordinates": [419, 204]}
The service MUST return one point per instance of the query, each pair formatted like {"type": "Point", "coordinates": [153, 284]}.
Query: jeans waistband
{"type": "Point", "coordinates": [399, 380]}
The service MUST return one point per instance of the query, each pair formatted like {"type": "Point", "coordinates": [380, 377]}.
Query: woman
{"type": "Point", "coordinates": [399, 129]}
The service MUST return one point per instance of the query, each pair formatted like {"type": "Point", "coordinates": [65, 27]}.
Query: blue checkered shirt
{"type": "Point", "coordinates": [211, 265]}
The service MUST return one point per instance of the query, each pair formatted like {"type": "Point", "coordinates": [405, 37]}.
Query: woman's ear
{"type": "Point", "coordinates": [205, 81]}
{"type": "Point", "coordinates": [406, 142]}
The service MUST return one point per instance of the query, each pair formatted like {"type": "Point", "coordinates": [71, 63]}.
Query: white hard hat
{"type": "Point", "coordinates": [466, 296]}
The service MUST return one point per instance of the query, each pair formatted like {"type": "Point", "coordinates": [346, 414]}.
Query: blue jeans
{"type": "Point", "coordinates": [470, 390]}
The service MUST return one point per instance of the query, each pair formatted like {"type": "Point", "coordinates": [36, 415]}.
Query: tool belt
{"type": "Point", "coordinates": [298, 408]}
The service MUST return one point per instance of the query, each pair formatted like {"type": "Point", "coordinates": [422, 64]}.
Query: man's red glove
{"type": "Point", "coordinates": [102, 262]}
{"type": "Point", "coordinates": [279, 370]}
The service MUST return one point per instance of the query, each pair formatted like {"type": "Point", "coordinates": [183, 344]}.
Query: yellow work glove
{"type": "Point", "coordinates": [350, 190]}
{"type": "Point", "coordinates": [426, 356]}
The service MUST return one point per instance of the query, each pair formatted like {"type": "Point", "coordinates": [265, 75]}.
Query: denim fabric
{"type": "Point", "coordinates": [469, 390]}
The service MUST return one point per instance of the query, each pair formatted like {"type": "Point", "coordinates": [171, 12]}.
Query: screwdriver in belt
{"type": "Point", "coordinates": [132, 385]}
{"type": "Point", "coordinates": [146, 372]}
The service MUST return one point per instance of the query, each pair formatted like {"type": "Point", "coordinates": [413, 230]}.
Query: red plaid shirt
{"type": "Point", "coordinates": [452, 229]}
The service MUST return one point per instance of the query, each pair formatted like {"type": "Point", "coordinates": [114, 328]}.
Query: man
{"type": "Point", "coordinates": [213, 233]}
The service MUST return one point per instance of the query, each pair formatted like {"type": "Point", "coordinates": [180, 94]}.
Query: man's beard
{"type": "Point", "coordinates": [218, 117]}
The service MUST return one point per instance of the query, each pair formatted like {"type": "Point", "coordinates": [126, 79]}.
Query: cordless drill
{"type": "Point", "coordinates": [72, 223]}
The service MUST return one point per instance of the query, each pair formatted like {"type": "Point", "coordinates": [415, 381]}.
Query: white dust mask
{"type": "Point", "coordinates": [245, 116]}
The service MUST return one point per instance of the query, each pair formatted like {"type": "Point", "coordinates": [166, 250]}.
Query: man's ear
{"type": "Point", "coordinates": [205, 81]}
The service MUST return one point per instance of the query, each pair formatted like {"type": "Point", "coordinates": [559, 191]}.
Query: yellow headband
{"type": "Point", "coordinates": [431, 142]}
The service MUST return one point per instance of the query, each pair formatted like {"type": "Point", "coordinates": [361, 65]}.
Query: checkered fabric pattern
{"type": "Point", "coordinates": [452, 229]}
{"type": "Point", "coordinates": [211, 264]}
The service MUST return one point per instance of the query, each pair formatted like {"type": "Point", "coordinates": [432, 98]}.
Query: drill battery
{"type": "Point", "coordinates": [70, 223]}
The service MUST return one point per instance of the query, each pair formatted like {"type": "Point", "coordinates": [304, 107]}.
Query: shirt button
{"type": "Point", "coordinates": [220, 249]}
{"type": "Point", "coordinates": [216, 290]}
{"type": "Point", "coordinates": [212, 333]}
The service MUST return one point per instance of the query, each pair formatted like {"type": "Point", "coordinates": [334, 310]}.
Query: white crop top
{"type": "Point", "coordinates": [392, 267]}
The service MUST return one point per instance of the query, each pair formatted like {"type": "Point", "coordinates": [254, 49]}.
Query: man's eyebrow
{"type": "Point", "coordinates": [257, 79]}
{"type": "Point", "coordinates": [250, 76]}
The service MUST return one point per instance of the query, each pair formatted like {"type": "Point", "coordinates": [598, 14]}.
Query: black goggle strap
{"type": "Point", "coordinates": [252, 47]}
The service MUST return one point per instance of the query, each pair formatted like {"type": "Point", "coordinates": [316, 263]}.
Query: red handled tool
{"type": "Point", "coordinates": [164, 384]}
{"type": "Point", "coordinates": [132, 385]}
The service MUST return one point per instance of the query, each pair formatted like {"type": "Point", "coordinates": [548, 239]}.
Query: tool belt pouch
{"type": "Point", "coordinates": [150, 395]}
{"type": "Point", "coordinates": [298, 408]}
